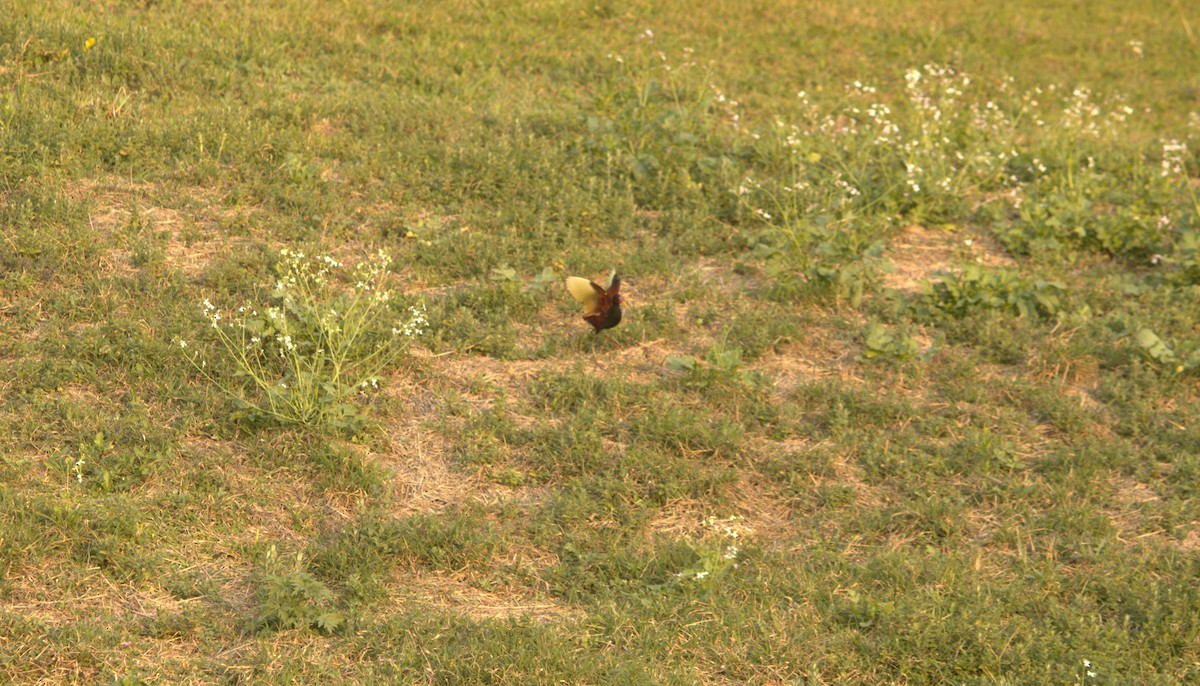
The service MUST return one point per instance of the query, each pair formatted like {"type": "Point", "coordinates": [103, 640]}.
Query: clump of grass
{"type": "Point", "coordinates": [359, 555]}
{"type": "Point", "coordinates": [323, 341]}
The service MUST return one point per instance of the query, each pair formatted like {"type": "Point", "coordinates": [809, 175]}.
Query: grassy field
{"type": "Point", "coordinates": [906, 391]}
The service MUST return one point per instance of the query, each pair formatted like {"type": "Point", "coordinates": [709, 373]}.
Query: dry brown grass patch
{"type": "Point", "coordinates": [762, 516]}
{"type": "Point", "coordinates": [1131, 524]}
{"type": "Point", "coordinates": [838, 471]}
{"type": "Point", "coordinates": [918, 253]}
{"type": "Point", "coordinates": [817, 355]}
{"type": "Point", "coordinates": [56, 595]}
{"type": "Point", "coordinates": [453, 592]}
{"type": "Point", "coordinates": [191, 225]}
{"type": "Point", "coordinates": [461, 372]}
{"type": "Point", "coordinates": [192, 257]}
{"type": "Point", "coordinates": [419, 455]}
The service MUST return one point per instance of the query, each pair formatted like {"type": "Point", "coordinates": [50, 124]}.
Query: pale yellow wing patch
{"type": "Point", "coordinates": [582, 290]}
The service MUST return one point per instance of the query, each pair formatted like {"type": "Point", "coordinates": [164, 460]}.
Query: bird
{"type": "Point", "coordinates": [601, 306]}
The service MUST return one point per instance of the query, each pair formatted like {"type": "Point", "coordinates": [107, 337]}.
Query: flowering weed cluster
{"type": "Point", "coordinates": [325, 337]}
{"type": "Point", "coordinates": [716, 552]}
{"type": "Point", "coordinates": [1045, 167]}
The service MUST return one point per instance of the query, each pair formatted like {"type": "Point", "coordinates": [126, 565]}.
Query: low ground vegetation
{"type": "Point", "coordinates": [906, 389]}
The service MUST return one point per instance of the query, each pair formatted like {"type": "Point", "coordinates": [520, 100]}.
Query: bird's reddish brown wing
{"type": "Point", "coordinates": [603, 304]}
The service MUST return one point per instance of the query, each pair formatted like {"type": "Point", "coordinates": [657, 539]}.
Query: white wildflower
{"type": "Point", "coordinates": [1174, 153]}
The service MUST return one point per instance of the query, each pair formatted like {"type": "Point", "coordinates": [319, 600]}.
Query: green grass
{"type": "Point", "coordinates": [931, 341]}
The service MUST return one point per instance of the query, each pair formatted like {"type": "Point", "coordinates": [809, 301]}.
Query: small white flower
{"type": "Point", "coordinates": [702, 574]}
{"type": "Point", "coordinates": [1174, 153]}
{"type": "Point", "coordinates": [1087, 664]}
{"type": "Point", "coordinates": [182, 343]}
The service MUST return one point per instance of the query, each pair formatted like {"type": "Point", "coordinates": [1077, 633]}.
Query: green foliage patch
{"type": "Point", "coordinates": [904, 391]}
